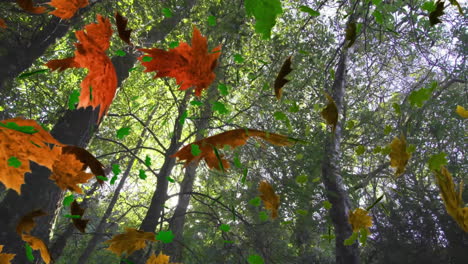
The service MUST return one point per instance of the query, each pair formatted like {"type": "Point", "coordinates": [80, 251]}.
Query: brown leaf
{"type": "Point", "coordinates": [26, 223]}
{"type": "Point", "coordinates": [62, 64]}
{"type": "Point", "coordinates": [233, 138]}
{"type": "Point", "coordinates": [270, 199]}
{"type": "Point", "coordinates": [280, 79]}
{"type": "Point", "coordinates": [66, 9]}
{"type": "Point", "coordinates": [2, 23]}
{"type": "Point", "coordinates": [130, 241]}
{"type": "Point", "coordinates": [79, 223]}
{"type": "Point", "coordinates": [5, 258]}
{"type": "Point", "coordinates": [38, 244]}
{"type": "Point", "coordinates": [87, 159]}
{"type": "Point", "coordinates": [330, 112]}
{"type": "Point", "coordinates": [28, 5]}
{"type": "Point", "coordinates": [67, 172]}
{"type": "Point", "coordinates": [121, 23]}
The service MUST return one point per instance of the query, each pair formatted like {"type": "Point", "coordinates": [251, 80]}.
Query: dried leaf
{"type": "Point", "coordinates": [438, 12]}
{"type": "Point", "coordinates": [398, 155]}
{"type": "Point", "coordinates": [5, 258]}
{"type": "Point", "coordinates": [28, 5]}
{"type": "Point", "coordinates": [67, 172]}
{"type": "Point", "coordinates": [280, 79]}
{"type": "Point", "coordinates": [330, 112]}
{"type": "Point", "coordinates": [38, 244]}
{"type": "Point", "coordinates": [270, 199]}
{"type": "Point", "coordinates": [453, 201]}
{"type": "Point", "coordinates": [79, 223]}
{"type": "Point", "coordinates": [2, 23]}
{"type": "Point", "coordinates": [87, 159]}
{"type": "Point", "coordinates": [189, 65]}
{"type": "Point", "coordinates": [26, 223]}
{"type": "Point", "coordinates": [121, 23]}
{"type": "Point", "coordinates": [461, 111]}
{"type": "Point", "coordinates": [130, 241]}
{"type": "Point", "coordinates": [66, 9]}
{"type": "Point", "coordinates": [359, 219]}
{"type": "Point", "coordinates": [233, 138]}
{"type": "Point", "coordinates": [62, 64]}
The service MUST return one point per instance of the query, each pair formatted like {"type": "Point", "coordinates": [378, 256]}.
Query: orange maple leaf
{"type": "Point", "coordinates": [130, 241]}
{"type": "Point", "coordinates": [190, 66]}
{"type": "Point", "coordinates": [4, 257]}
{"type": "Point", "coordinates": [399, 156]}
{"type": "Point", "coordinates": [359, 219]}
{"type": "Point", "coordinates": [38, 244]}
{"type": "Point", "coordinates": [26, 223]}
{"type": "Point", "coordinates": [66, 9]}
{"type": "Point", "coordinates": [67, 172]}
{"type": "Point", "coordinates": [2, 23]}
{"type": "Point", "coordinates": [28, 5]}
{"type": "Point", "coordinates": [233, 138]}
{"type": "Point", "coordinates": [99, 86]}
{"type": "Point", "coordinates": [270, 199]}
{"type": "Point", "coordinates": [159, 259]}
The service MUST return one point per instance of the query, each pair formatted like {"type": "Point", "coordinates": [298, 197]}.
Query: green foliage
{"type": "Point", "coordinates": [255, 259]}
{"type": "Point", "coordinates": [436, 161]}
{"type": "Point", "coordinates": [265, 13]}
{"type": "Point", "coordinates": [165, 236]}
{"type": "Point", "coordinates": [123, 132]}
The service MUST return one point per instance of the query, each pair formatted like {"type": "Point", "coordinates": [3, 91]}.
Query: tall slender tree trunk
{"type": "Point", "coordinates": [332, 179]}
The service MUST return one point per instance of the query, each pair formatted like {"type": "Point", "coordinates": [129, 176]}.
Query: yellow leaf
{"type": "Point", "coordinates": [4, 257]}
{"type": "Point", "coordinates": [37, 244]}
{"type": "Point", "coordinates": [359, 219]}
{"type": "Point", "coordinates": [461, 111]}
{"type": "Point", "coordinates": [398, 155]}
{"type": "Point", "coordinates": [129, 241]}
{"type": "Point", "coordinates": [67, 173]}
{"type": "Point", "coordinates": [330, 112]}
{"type": "Point", "coordinates": [453, 201]}
{"type": "Point", "coordinates": [269, 198]}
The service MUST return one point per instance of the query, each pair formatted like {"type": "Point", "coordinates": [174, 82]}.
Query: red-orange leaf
{"type": "Point", "coordinates": [233, 138]}
{"type": "Point", "coordinates": [191, 66]}
{"type": "Point", "coordinates": [66, 9]}
{"type": "Point", "coordinates": [121, 23]}
{"type": "Point", "coordinates": [2, 23]}
{"type": "Point", "coordinates": [270, 199]}
{"type": "Point", "coordinates": [62, 64]}
{"type": "Point", "coordinates": [28, 5]}
{"type": "Point", "coordinates": [280, 79]}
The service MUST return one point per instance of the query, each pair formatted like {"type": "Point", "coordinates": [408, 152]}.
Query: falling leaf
{"type": "Point", "coordinates": [5, 258]}
{"type": "Point", "coordinates": [438, 12]}
{"type": "Point", "coordinates": [2, 23]}
{"type": "Point", "coordinates": [67, 172]}
{"type": "Point", "coordinates": [223, 89]}
{"type": "Point", "coordinates": [68, 200]}
{"type": "Point", "coordinates": [453, 201]}
{"type": "Point", "coordinates": [73, 99]}
{"type": "Point", "coordinates": [26, 223]}
{"type": "Point", "coordinates": [436, 161]}
{"type": "Point", "coordinates": [79, 223]}
{"type": "Point", "coordinates": [66, 9]}
{"type": "Point", "coordinates": [191, 66]}
{"type": "Point", "coordinates": [38, 244]}
{"type": "Point", "coordinates": [350, 33]}
{"type": "Point", "coordinates": [90, 54]}
{"type": "Point", "coordinates": [160, 259]}
{"type": "Point", "coordinates": [399, 156]}
{"type": "Point", "coordinates": [263, 216]}
{"type": "Point", "coordinates": [129, 241]}
{"type": "Point", "coordinates": [142, 174]}
{"type": "Point", "coordinates": [270, 199]}
{"type": "Point", "coordinates": [350, 240]}
{"type": "Point", "coordinates": [255, 201]}
{"type": "Point", "coordinates": [167, 12]}
{"type": "Point", "coordinates": [88, 160]}
{"type": "Point", "coordinates": [123, 132]}
{"type": "Point", "coordinates": [211, 20]}
{"type": "Point", "coordinates": [255, 259]}
{"type": "Point", "coordinates": [224, 227]}
{"type": "Point", "coordinates": [265, 13]}
{"type": "Point", "coordinates": [28, 5]}
{"type": "Point", "coordinates": [27, 74]}
{"type": "Point", "coordinates": [165, 236]}
{"type": "Point", "coordinates": [309, 10]}
{"type": "Point", "coordinates": [418, 97]}
{"type": "Point", "coordinates": [359, 219]}
{"type": "Point", "coordinates": [124, 33]}
{"type": "Point", "coordinates": [280, 79]}
{"type": "Point", "coordinates": [455, 3]}
{"type": "Point", "coordinates": [330, 112]}
{"type": "Point", "coordinates": [233, 138]}
{"type": "Point", "coordinates": [29, 252]}
{"type": "Point", "coordinates": [461, 111]}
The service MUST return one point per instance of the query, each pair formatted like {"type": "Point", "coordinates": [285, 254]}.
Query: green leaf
{"type": "Point", "coordinates": [317, 179]}
{"type": "Point", "coordinates": [23, 129]}
{"type": "Point", "coordinates": [378, 17]}
{"type": "Point", "coordinates": [73, 99]}
{"type": "Point", "coordinates": [102, 178]}
{"type": "Point", "coordinates": [360, 150]}
{"type": "Point", "coordinates": [437, 160]}
{"type": "Point", "coordinates": [14, 162]}
{"type": "Point", "coordinates": [349, 241]}
{"type": "Point", "coordinates": [237, 161]}
{"type": "Point", "coordinates": [417, 98]}
{"type": "Point", "coordinates": [220, 108]}
{"type": "Point", "coordinates": [183, 117]}
{"type": "Point", "coordinates": [90, 93]}
{"type": "Point", "coordinates": [265, 13]}
{"type": "Point", "coordinates": [167, 12]}
{"type": "Point", "coordinates": [223, 89]}
{"type": "Point", "coordinates": [255, 259]}
{"type": "Point", "coordinates": [299, 156]}
{"type": "Point", "coordinates": [195, 149]}
{"type": "Point", "coordinates": [350, 124]}
{"type": "Point", "coordinates": [411, 148]}
{"type": "Point", "coordinates": [397, 108]}
{"type": "Point", "coordinates": [147, 58]}
{"type": "Point", "coordinates": [302, 178]}
{"type": "Point", "coordinates": [309, 10]}
{"type": "Point", "coordinates": [165, 236]}
{"type": "Point", "coordinates": [68, 200]}
{"type": "Point", "coordinates": [116, 169]}
{"type": "Point", "coordinates": [385, 151]}
{"type": "Point", "coordinates": [123, 132]}
{"type": "Point", "coordinates": [170, 179]}
{"type": "Point", "coordinates": [238, 58]}
{"type": "Point", "coordinates": [280, 115]}
{"type": "Point", "coordinates": [127, 261]}
{"type": "Point", "coordinates": [113, 179]}
{"type": "Point", "coordinates": [263, 216]}
{"type": "Point", "coordinates": [255, 201]}
{"type": "Point", "coordinates": [363, 236]}
{"type": "Point", "coordinates": [228, 241]}
{"type": "Point", "coordinates": [301, 212]}
{"type": "Point", "coordinates": [224, 227]}
{"type": "Point", "coordinates": [244, 175]}
{"type": "Point", "coordinates": [211, 20]}
{"type": "Point", "coordinates": [375, 202]}
{"type": "Point", "coordinates": [377, 149]}
{"type": "Point", "coordinates": [376, 2]}
{"type": "Point", "coordinates": [196, 103]}
{"type": "Point", "coordinates": [327, 205]}
{"type": "Point", "coordinates": [72, 216]}
{"type": "Point", "coordinates": [294, 108]}
{"type": "Point", "coordinates": [147, 161]}
{"type": "Point", "coordinates": [29, 252]}
{"type": "Point", "coordinates": [27, 74]}
{"type": "Point", "coordinates": [173, 44]}
{"type": "Point", "coordinates": [428, 6]}
{"type": "Point", "coordinates": [142, 174]}
{"type": "Point", "coordinates": [387, 129]}
{"type": "Point", "coordinates": [120, 53]}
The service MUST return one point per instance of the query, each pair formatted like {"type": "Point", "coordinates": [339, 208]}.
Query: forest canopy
{"type": "Point", "coordinates": [250, 131]}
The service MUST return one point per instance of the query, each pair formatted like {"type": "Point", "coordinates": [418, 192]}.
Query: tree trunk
{"type": "Point", "coordinates": [332, 179]}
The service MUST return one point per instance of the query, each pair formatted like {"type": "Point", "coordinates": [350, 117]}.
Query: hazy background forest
{"type": "Point", "coordinates": [390, 72]}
